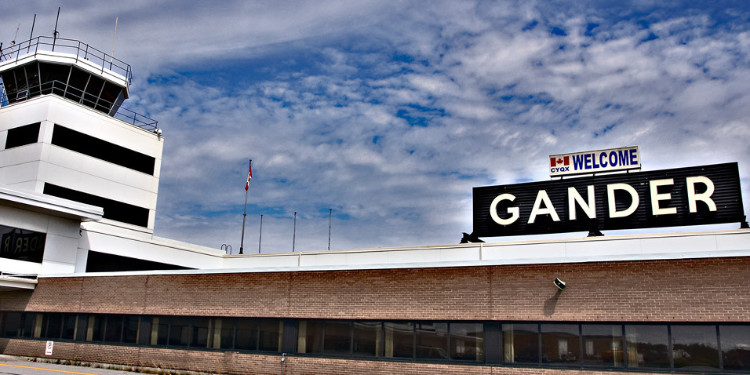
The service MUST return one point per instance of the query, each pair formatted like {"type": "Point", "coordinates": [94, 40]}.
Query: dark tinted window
{"type": "Point", "coordinates": [113, 331]}
{"type": "Point", "coordinates": [647, 346]}
{"type": "Point", "coordinates": [247, 335]}
{"type": "Point", "coordinates": [399, 339]}
{"type": "Point", "coordinates": [694, 347]}
{"type": "Point", "coordinates": [367, 339]}
{"type": "Point", "coordinates": [310, 338]}
{"type": "Point", "coordinates": [22, 135]}
{"type": "Point", "coordinates": [338, 338]}
{"type": "Point", "coordinates": [560, 344]}
{"type": "Point", "coordinates": [602, 345]}
{"type": "Point", "coordinates": [432, 340]}
{"type": "Point", "coordinates": [95, 147]}
{"type": "Point", "coordinates": [521, 343]}
{"type": "Point", "coordinates": [113, 209]}
{"type": "Point", "coordinates": [735, 346]}
{"type": "Point", "coordinates": [270, 332]}
{"type": "Point", "coordinates": [467, 341]}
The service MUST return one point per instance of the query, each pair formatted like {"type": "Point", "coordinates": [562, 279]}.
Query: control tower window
{"type": "Point", "coordinates": [22, 135]}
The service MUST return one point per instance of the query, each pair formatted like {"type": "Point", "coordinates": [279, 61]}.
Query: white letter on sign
{"type": "Point", "coordinates": [656, 197]}
{"type": "Point", "coordinates": [589, 208]}
{"type": "Point", "coordinates": [514, 211]}
{"type": "Point", "coordinates": [612, 203]}
{"type": "Point", "coordinates": [703, 197]}
{"type": "Point", "coordinates": [548, 210]}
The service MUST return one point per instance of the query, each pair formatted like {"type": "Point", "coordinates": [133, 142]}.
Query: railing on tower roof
{"type": "Point", "coordinates": [73, 47]}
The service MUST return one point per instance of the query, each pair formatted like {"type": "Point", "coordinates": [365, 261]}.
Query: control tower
{"type": "Point", "coordinates": [63, 132]}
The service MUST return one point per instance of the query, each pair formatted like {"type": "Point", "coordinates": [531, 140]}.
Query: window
{"type": "Point", "coordinates": [270, 335]}
{"type": "Point", "coordinates": [602, 345]}
{"type": "Point", "coordinates": [100, 149]}
{"type": "Point", "coordinates": [694, 347]}
{"type": "Point", "coordinates": [521, 343]}
{"type": "Point", "coordinates": [467, 341]}
{"type": "Point", "coordinates": [247, 335]}
{"type": "Point", "coordinates": [432, 340]}
{"type": "Point", "coordinates": [399, 339]}
{"type": "Point", "coordinates": [647, 346]}
{"type": "Point", "coordinates": [114, 210]}
{"type": "Point", "coordinates": [130, 330]}
{"type": "Point", "coordinates": [22, 135]}
{"type": "Point", "coordinates": [113, 330]}
{"type": "Point", "coordinates": [560, 344]}
{"type": "Point", "coordinates": [22, 244]}
{"type": "Point", "coordinates": [310, 336]}
{"type": "Point", "coordinates": [338, 338]}
{"type": "Point", "coordinates": [368, 339]}
{"type": "Point", "coordinates": [735, 346]}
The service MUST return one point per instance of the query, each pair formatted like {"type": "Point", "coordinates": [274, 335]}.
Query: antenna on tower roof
{"type": "Point", "coordinates": [31, 35]}
{"type": "Point", "coordinates": [54, 39]}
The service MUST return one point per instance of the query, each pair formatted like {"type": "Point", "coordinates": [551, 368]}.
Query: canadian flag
{"type": "Point", "coordinates": [556, 162]}
{"type": "Point", "coordinates": [249, 176]}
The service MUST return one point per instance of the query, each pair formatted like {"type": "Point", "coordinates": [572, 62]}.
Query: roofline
{"type": "Point", "coordinates": [670, 246]}
{"type": "Point", "coordinates": [58, 206]}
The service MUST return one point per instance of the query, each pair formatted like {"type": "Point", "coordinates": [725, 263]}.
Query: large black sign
{"type": "Point", "coordinates": [707, 194]}
{"type": "Point", "coordinates": [21, 244]}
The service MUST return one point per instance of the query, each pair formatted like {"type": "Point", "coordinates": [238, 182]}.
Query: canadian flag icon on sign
{"type": "Point", "coordinates": [559, 161]}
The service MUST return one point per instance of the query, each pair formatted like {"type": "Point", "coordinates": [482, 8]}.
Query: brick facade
{"type": "Point", "coordinates": [691, 290]}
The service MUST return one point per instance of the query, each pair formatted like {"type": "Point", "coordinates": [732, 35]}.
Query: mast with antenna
{"type": "Point", "coordinates": [54, 38]}
{"type": "Point", "coordinates": [31, 35]}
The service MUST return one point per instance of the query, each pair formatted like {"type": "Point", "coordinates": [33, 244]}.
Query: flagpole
{"type": "Point", "coordinates": [244, 214]}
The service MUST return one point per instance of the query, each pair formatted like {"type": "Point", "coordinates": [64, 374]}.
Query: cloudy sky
{"type": "Point", "coordinates": [389, 112]}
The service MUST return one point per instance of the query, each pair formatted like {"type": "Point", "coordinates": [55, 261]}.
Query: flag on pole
{"type": "Point", "coordinates": [249, 176]}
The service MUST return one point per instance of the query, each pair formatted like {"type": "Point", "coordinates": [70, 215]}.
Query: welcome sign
{"type": "Point", "coordinates": [707, 194]}
{"type": "Point", "coordinates": [614, 159]}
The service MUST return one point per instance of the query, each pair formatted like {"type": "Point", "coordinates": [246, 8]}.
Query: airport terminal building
{"type": "Point", "coordinates": [83, 278]}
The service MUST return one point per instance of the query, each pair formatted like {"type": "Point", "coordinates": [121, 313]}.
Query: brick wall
{"type": "Point", "coordinates": [694, 290]}
{"type": "Point", "coordinates": [711, 290]}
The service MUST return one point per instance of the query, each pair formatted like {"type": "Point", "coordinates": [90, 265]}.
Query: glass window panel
{"type": "Point", "coordinates": [367, 339]}
{"type": "Point", "coordinates": [270, 335]}
{"type": "Point", "coordinates": [646, 346]}
{"type": "Point", "coordinates": [68, 327]}
{"type": "Point", "coordinates": [113, 331]}
{"type": "Point", "coordinates": [338, 338]}
{"type": "Point", "coordinates": [12, 324]}
{"type": "Point", "coordinates": [521, 343]}
{"type": "Point", "coordinates": [52, 326]}
{"type": "Point", "coordinates": [399, 339]}
{"type": "Point", "coordinates": [247, 334]}
{"type": "Point", "coordinates": [144, 336]}
{"type": "Point", "coordinates": [179, 331]}
{"type": "Point", "coordinates": [226, 335]}
{"type": "Point", "coordinates": [310, 336]}
{"type": "Point", "coordinates": [694, 347]}
{"type": "Point", "coordinates": [28, 322]}
{"type": "Point", "coordinates": [162, 332]}
{"type": "Point", "coordinates": [602, 345]}
{"type": "Point", "coordinates": [130, 331]}
{"type": "Point", "coordinates": [560, 344]}
{"type": "Point", "coordinates": [97, 327]}
{"type": "Point", "coordinates": [467, 341]}
{"type": "Point", "coordinates": [432, 340]}
{"type": "Point", "coordinates": [735, 346]}
{"type": "Point", "coordinates": [200, 333]}
{"type": "Point", "coordinates": [83, 323]}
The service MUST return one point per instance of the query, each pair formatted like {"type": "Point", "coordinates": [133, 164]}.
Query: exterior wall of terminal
{"type": "Point", "coordinates": [711, 290]}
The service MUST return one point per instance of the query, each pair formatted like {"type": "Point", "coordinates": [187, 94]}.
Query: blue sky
{"type": "Point", "coordinates": [389, 112]}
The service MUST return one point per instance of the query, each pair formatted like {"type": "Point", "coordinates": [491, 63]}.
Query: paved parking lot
{"type": "Point", "coordinates": [10, 365]}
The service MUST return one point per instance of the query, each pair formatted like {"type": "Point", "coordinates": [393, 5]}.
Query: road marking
{"type": "Point", "coordinates": [47, 369]}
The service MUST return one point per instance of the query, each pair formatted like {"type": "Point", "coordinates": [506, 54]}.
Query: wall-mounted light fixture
{"type": "Point", "coordinates": [559, 284]}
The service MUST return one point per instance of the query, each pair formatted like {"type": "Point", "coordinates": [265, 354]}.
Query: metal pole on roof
{"type": "Point", "coordinates": [260, 233]}
{"type": "Point", "coordinates": [294, 233]}
{"type": "Point", "coordinates": [330, 212]}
